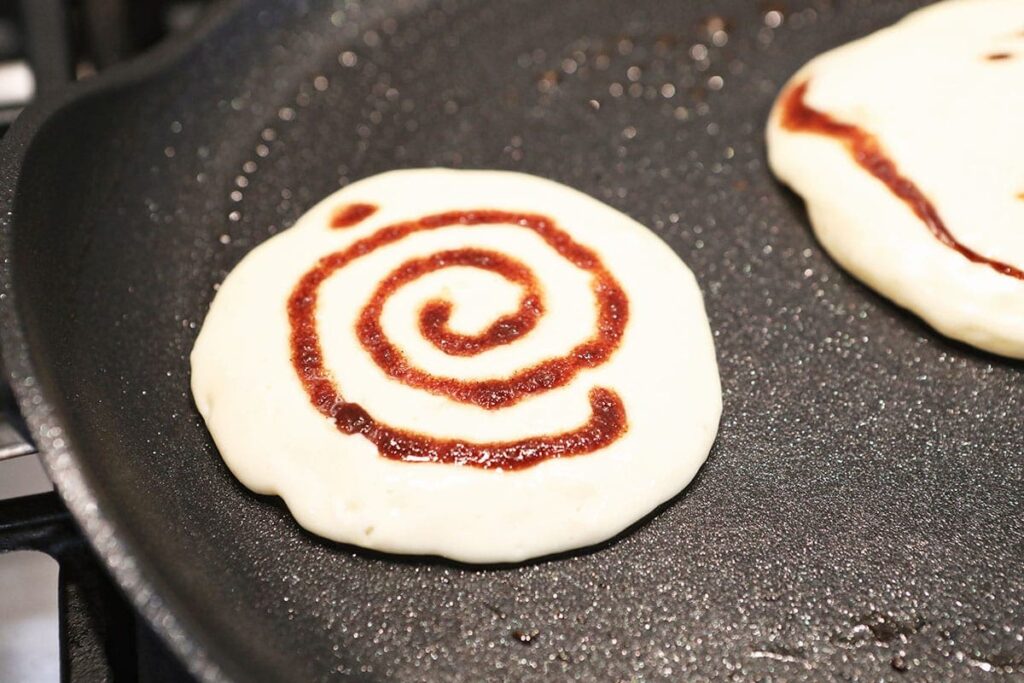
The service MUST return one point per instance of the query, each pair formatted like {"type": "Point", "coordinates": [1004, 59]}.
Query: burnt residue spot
{"type": "Point", "coordinates": [353, 214]}
{"type": "Point", "coordinates": [882, 629]}
{"type": "Point", "coordinates": [715, 29]}
{"type": "Point", "coordinates": [1020, 196]}
{"type": "Point", "coordinates": [524, 637]}
{"type": "Point", "coordinates": [885, 628]}
{"type": "Point", "coordinates": [548, 80]}
{"type": "Point", "coordinates": [998, 56]}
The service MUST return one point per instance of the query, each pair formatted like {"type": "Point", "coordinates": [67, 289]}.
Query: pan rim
{"type": "Point", "coordinates": [40, 404]}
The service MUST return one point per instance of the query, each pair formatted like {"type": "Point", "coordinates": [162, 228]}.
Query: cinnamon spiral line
{"type": "Point", "coordinates": [798, 116]}
{"type": "Point", "coordinates": [607, 420]}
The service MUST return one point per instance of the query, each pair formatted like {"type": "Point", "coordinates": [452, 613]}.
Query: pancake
{"type": "Point", "coordinates": [906, 146]}
{"type": "Point", "coordinates": [482, 365]}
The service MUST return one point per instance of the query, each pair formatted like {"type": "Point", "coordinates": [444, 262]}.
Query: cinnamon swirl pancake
{"type": "Point", "coordinates": [483, 365]}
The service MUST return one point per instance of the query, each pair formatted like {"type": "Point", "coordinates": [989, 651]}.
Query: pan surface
{"type": "Point", "coordinates": [859, 516]}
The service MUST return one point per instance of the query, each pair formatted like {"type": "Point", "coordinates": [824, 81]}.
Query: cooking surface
{"type": "Point", "coordinates": [859, 514]}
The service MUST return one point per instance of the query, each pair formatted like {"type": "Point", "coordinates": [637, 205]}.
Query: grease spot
{"type": "Point", "coordinates": [524, 637]}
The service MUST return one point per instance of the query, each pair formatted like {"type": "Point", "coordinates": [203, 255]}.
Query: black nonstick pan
{"type": "Point", "coordinates": [860, 517]}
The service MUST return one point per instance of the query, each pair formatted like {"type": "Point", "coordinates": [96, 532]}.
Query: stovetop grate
{"type": "Point", "coordinates": [101, 636]}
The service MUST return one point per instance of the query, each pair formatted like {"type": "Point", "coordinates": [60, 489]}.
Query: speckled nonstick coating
{"type": "Point", "coordinates": [860, 514]}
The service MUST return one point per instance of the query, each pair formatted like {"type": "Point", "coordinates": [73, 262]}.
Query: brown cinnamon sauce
{"type": "Point", "coordinates": [353, 214]}
{"type": "Point", "coordinates": [797, 115]}
{"type": "Point", "coordinates": [607, 421]}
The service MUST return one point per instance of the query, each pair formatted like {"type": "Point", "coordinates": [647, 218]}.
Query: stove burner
{"type": "Point", "coordinates": [44, 44]}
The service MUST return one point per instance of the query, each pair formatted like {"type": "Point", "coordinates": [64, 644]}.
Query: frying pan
{"type": "Point", "coordinates": [859, 516]}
